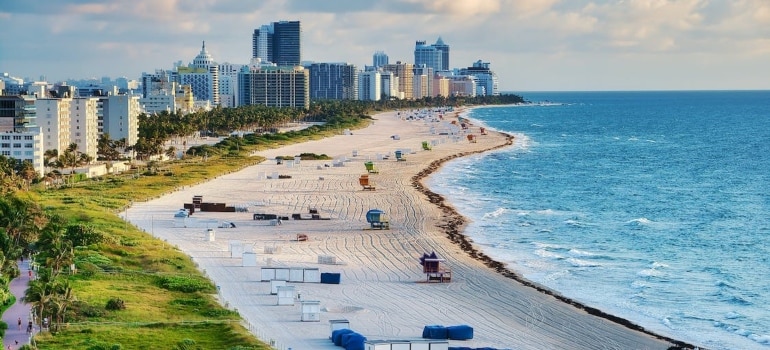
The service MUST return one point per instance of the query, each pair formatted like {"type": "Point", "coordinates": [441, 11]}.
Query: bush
{"type": "Point", "coordinates": [115, 304]}
{"type": "Point", "coordinates": [189, 302]}
{"type": "Point", "coordinates": [183, 284]}
{"type": "Point", "coordinates": [83, 309]}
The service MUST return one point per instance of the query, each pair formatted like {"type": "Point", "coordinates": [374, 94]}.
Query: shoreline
{"type": "Point", "coordinates": [455, 227]}
{"type": "Point", "coordinates": [378, 266]}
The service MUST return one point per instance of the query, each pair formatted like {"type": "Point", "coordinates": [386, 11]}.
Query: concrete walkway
{"type": "Point", "coordinates": [17, 336]}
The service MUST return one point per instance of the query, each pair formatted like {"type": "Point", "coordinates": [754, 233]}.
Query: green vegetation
{"type": "Point", "coordinates": [128, 289]}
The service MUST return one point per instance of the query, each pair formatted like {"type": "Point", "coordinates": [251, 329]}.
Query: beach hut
{"type": "Point", "coordinates": [426, 146]}
{"type": "Point", "coordinates": [377, 219]}
{"type": "Point", "coordinates": [338, 324]}
{"type": "Point", "coordinates": [274, 284]}
{"type": "Point", "coordinates": [400, 156]}
{"type": "Point", "coordinates": [429, 345]}
{"type": "Point", "coordinates": [268, 274]}
{"type": "Point", "coordinates": [366, 183]}
{"type": "Point", "coordinates": [210, 235]}
{"type": "Point", "coordinates": [311, 275]}
{"type": "Point", "coordinates": [282, 273]}
{"type": "Point", "coordinates": [377, 345]}
{"type": "Point", "coordinates": [236, 249]}
{"type": "Point", "coordinates": [286, 295]}
{"type": "Point", "coordinates": [311, 311]}
{"type": "Point", "coordinates": [296, 274]}
{"type": "Point", "coordinates": [471, 138]}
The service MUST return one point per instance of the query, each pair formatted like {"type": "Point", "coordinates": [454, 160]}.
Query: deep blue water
{"type": "Point", "coordinates": [653, 206]}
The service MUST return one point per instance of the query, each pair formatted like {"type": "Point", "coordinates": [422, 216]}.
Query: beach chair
{"type": "Point", "coordinates": [365, 183]}
{"type": "Point", "coordinates": [400, 156]}
{"type": "Point", "coordinates": [370, 168]}
{"type": "Point", "coordinates": [426, 146]}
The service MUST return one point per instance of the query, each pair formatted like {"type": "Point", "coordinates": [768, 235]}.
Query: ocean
{"type": "Point", "coordinates": [651, 206]}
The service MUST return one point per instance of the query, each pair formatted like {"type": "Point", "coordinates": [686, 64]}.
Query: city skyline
{"type": "Point", "coordinates": [532, 45]}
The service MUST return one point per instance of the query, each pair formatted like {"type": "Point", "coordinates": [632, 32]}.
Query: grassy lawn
{"type": "Point", "coordinates": [168, 303]}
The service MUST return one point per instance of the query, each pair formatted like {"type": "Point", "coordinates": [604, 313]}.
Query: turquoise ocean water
{"type": "Point", "coordinates": [652, 206]}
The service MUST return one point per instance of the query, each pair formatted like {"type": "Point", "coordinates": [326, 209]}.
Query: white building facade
{"type": "Point", "coordinates": [24, 145]}
{"type": "Point", "coordinates": [53, 117]}
{"type": "Point", "coordinates": [369, 85]}
{"type": "Point", "coordinates": [84, 125]}
{"type": "Point", "coordinates": [120, 117]}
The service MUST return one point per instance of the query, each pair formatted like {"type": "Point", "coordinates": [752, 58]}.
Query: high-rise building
{"type": "Point", "coordinates": [405, 74]}
{"type": "Point", "coordinates": [279, 43]}
{"type": "Point", "coordinates": [16, 111]}
{"type": "Point", "coordinates": [333, 81]}
{"type": "Point", "coordinates": [423, 81]}
{"type": "Point", "coordinates": [427, 55]}
{"type": "Point", "coordinates": [440, 86]}
{"type": "Point", "coordinates": [53, 116]}
{"type": "Point", "coordinates": [389, 85]}
{"type": "Point", "coordinates": [120, 117]}
{"type": "Point", "coordinates": [84, 124]}
{"type": "Point", "coordinates": [369, 86]}
{"type": "Point", "coordinates": [25, 145]}
{"type": "Point", "coordinates": [228, 84]}
{"type": "Point", "coordinates": [444, 48]}
{"type": "Point", "coordinates": [262, 43]}
{"type": "Point", "coordinates": [379, 59]}
{"type": "Point", "coordinates": [203, 76]}
{"type": "Point", "coordinates": [486, 79]}
{"type": "Point", "coordinates": [274, 86]}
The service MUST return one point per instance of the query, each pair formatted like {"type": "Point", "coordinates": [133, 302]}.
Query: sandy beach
{"type": "Point", "coordinates": [383, 292]}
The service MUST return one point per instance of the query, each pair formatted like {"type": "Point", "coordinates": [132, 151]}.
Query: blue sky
{"type": "Point", "coordinates": [531, 44]}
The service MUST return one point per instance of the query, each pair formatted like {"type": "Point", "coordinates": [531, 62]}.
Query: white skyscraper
{"type": "Point", "coordinates": [120, 117]}
{"type": "Point", "coordinates": [53, 117]}
{"type": "Point", "coordinates": [369, 85]}
{"type": "Point", "coordinates": [228, 84]}
{"type": "Point", "coordinates": [84, 124]}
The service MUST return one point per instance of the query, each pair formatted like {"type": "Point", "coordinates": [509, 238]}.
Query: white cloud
{"type": "Point", "coordinates": [544, 35]}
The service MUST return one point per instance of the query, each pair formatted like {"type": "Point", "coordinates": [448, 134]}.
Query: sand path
{"type": "Point", "coordinates": [383, 292]}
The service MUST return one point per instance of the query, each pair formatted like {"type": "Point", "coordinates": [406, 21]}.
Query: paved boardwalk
{"type": "Point", "coordinates": [17, 336]}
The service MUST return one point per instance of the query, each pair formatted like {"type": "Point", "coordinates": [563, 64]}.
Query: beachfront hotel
{"type": "Point", "coordinates": [333, 81]}
{"type": "Point", "coordinates": [274, 86]}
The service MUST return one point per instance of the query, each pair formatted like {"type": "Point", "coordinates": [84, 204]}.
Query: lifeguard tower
{"type": "Point", "coordinates": [377, 219]}
{"type": "Point", "coordinates": [370, 168]}
{"type": "Point", "coordinates": [433, 269]}
{"type": "Point", "coordinates": [366, 183]}
{"type": "Point", "coordinates": [400, 156]}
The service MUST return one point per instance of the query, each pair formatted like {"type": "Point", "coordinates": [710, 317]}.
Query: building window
{"type": "Point", "coordinates": [28, 145]}
{"type": "Point", "coordinates": [6, 145]}
{"type": "Point", "coordinates": [16, 145]}
{"type": "Point", "coordinates": [28, 137]}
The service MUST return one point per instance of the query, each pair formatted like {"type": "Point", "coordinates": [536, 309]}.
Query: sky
{"type": "Point", "coordinates": [532, 45]}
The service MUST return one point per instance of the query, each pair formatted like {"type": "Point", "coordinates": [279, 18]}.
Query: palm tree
{"type": "Point", "coordinates": [72, 158]}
